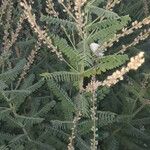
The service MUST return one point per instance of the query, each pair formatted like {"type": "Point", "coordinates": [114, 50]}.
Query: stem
{"type": "Point", "coordinates": [26, 133]}
{"type": "Point", "coordinates": [15, 115]}
{"type": "Point", "coordinates": [94, 129]}
{"type": "Point", "coordinates": [140, 93]}
{"type": "Point", "coordinates": [93, 22]}
{"type": "Point", "coordinates": [70, 65]}
{"type": "Point", "coordinates": [68, 37]}
{"type": "Point", "coordinates": [73, 131]}
{"type": "Point", "coordinates": [73, 38]}
{"type": "Point", "coordinates": [139, 109]}
{"type": "Point", "coordinates": [67, 10]}
{"type": "Point", "coordinates": [82, 68]}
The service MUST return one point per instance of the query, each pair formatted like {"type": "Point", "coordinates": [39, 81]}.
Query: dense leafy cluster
{"type": "Point", "coordinates": [40, 94]}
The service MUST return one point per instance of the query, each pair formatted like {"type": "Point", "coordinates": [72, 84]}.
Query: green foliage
{"type": "Point", "coordinates": [37, 110]}
{"type": "Point", "coordinates": [106, 63]}
{"type": "Point", "coordinates": [68, 51]}
{"type": "Point", "coordinates": [106, 118]}
{"type": "Point", "coordinates": [118, 23]}
{"type": "Point", "coordinates": [58, 22]}
{"type": "Point", "coordinates": [83, 104]}
{"type": "Point", "coordinates": [136, 10]}
{"type": "Point", "coordinates": [100, 12]}
{"type": "Point", "coordinates": [106, 29]}
{"type": "Point", "coordinates": [11, 74]}
{"type": "Point", "coordinates": [62, 76]}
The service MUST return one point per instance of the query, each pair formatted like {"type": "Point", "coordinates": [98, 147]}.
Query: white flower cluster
{"type": "Point", "coordinates": [134, 64]}
{"type": "Point", "coordinates": [95, 49]}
